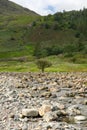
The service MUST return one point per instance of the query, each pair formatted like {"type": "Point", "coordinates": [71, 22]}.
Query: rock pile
{"type": "Point", "coordinates": [49, 101]}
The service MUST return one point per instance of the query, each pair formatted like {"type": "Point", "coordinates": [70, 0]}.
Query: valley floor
{"type": "Point", "coordinates": [59, 64]}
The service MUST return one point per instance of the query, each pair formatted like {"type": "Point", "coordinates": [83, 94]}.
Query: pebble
{"type": "Point", "coordinates": [25, 127]}
{"type": "Point", "coordinates": [80, 118]}
{"type": "Point", "coordinates": [50, 116]}
{"type": "Point", "coordinates": [44, 109]}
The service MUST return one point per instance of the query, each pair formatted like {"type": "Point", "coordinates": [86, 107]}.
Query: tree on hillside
{"type": "Point", "coordinates": [42, 64]}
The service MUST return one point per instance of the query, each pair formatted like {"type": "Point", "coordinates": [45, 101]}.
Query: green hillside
{"type": "Point", "coordinates": [14, 23]}
{"type": "Point", "coordinates": [61, 33]}
{"type": "Point", "coordinates": [24, 35]}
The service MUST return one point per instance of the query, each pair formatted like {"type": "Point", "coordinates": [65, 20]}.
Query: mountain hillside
{"type": "Point", "coordinates": [24, 33]}
{"type": "Point", "coordinates": [14, 22]}
{"type": "Point", "coordinates": [8, 7]}
{"type": "Point", "coordinates": [62, 33]}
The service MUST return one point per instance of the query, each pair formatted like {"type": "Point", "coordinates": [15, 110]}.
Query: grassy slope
{"type": "Point", "coordinates": [7, 7]}
{"type": "Point", "coordinates": [59, 65]}
{"type": "Point", "coordinates": [12, 35]}
{"type": "Point", "coordinates": [17, 48]}
{"type": "Point", "coordinates": [14, 22]}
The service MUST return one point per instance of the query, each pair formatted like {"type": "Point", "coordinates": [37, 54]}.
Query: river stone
{"type": "Point", "coordinates": [60, 106]}
{"type": "Point", "coordinates": [44, 109]}
{"type": "Point", "coordinates": [14, 96]}
{"type": "Point", "coordinates": [80, 118]}
{"type": "Point", "coordinates": [73, 110]}
{"type": "Point", "coordinates": [30, 112]}
{"type": "Point", "coordinates": [85, 102]}
{"type": "Point", "coordinates": [25, 127]}
{"type": "Point", "coordinates": [46, 94]}
{"type": "Point", "coordinates": [50, 116]}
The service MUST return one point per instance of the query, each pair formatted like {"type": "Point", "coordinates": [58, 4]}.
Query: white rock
{"type": "Point", "coordinates": [80, 118]}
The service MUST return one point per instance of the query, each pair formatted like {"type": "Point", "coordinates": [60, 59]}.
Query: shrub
{"type": "Point", "coordinates": [34, 23]}
{"type": "Point", "coordinates": [46, 25]}
{"type": "Point", "coordinates": [42, 64]}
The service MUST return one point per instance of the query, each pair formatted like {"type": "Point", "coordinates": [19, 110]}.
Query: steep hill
{"type": "Point", "coordinates": [8, 7]}
{"type": "Point", "coordinates": [14, 22]}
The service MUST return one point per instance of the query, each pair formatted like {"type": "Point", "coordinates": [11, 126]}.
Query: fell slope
{"type": "Point", "coordinates": [8, 7]}
{"type": "Point", "coordinates": [14, 22]}
{"type": "Point", "coordinates": [23, 33]}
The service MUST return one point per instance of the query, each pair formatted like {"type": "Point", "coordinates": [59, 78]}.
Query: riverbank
{"type": "Point", "coordinates": [43, 101]}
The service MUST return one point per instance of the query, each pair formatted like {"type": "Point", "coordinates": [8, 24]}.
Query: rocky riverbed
{"type": "Point", "coordinates": [49, 101]}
